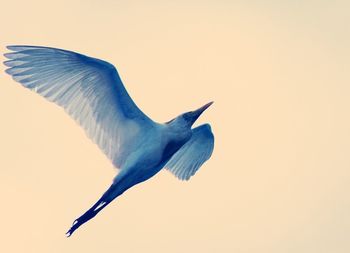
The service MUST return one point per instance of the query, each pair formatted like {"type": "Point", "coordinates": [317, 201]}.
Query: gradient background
{"type": "Point", "coordinates": [279, 178]}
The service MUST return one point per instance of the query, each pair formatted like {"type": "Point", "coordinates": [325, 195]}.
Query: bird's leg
{"type": "Point", "coordinates": [95, 209]}
{"type": "Point", "coordinates": [117, 188]}
{"type": "Point", "coordinates": [89, 214]}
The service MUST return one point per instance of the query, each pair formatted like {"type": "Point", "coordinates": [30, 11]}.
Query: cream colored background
{"type": "Point", "coordinates": [279, 178]}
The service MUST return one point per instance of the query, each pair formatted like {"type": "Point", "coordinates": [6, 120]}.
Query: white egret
{"type": "Point", "coordinates": [92, 93]}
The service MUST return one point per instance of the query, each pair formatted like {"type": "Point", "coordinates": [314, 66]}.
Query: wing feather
{"type": "Point", "coordinates": [90, 91]}
{"type": "Point", "coordinates": [191, 156]}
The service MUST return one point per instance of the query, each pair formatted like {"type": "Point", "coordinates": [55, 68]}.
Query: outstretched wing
{"type": "Point", "coordinates": [90, 91]}
{"type": "Point", "coordinates": [190, 157]}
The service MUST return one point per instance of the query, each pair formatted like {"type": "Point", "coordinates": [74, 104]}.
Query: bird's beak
{"type": "Point", "coordinates": [203, 108]}
{"type": "Point", "coordinates": [195, 114]}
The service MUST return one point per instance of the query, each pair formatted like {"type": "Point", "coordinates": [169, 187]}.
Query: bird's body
{"type": "Point", "coordinates": [91, 91]}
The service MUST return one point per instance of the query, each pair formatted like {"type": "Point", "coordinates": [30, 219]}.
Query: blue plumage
{"type": "Point", "coordinates": [92, 93]}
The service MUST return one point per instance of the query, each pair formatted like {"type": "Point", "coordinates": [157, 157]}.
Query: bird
{"type": "Point", "coordinates": [90, 90]}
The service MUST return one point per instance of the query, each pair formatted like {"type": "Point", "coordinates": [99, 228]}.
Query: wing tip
{"type": "Point", "coordinates": [205, 126]}
{"type": "Point", "coordinates": [7, 71]}
{"type": "Point", "coordinates": [19, 48]}
{"type": "Point", "coordinates": [7, 63]}
{"type": "Point", "coordinates": [13, 47]}
{"type": "Point", "coordinates": [7, 55]}
{"type": "Point", "coordinates": [15, 52]}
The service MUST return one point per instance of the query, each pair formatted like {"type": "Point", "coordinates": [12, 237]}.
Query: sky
{"type": "Point", "coordinates": [278, 179]}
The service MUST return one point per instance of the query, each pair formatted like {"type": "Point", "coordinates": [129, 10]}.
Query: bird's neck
{"type": "Point", "coordinates": [179, 132]}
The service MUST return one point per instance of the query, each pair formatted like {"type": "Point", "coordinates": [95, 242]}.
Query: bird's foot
{"type": "Point", "coordinates": [73, 228]}
{"type": "Point", "coordinates": [81, 220]}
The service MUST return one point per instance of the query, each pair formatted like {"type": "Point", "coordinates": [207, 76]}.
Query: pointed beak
{"type": "Point", "coordinates": [195, 114]}
{"type": "Point", "coordinates": [204, 107]}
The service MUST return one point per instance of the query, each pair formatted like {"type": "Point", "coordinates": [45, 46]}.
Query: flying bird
{"type": "Point", "coordinates": [92, 93]}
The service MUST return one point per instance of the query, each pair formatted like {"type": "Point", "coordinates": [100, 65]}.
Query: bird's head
{"type": "Point", "coordinates": [188, 118]}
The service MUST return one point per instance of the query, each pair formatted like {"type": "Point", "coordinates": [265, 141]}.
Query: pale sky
{"type": "Point", "coordinates": [278, 180]}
